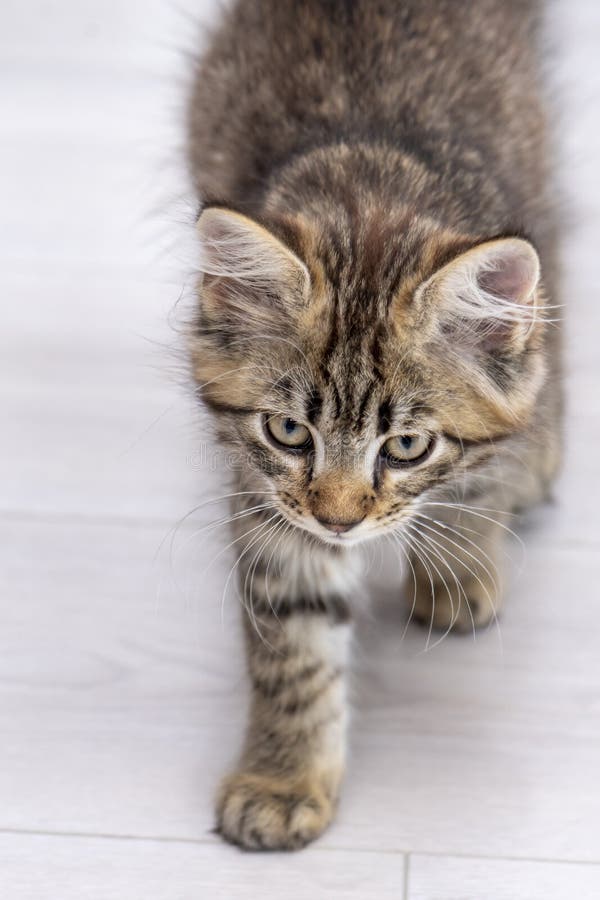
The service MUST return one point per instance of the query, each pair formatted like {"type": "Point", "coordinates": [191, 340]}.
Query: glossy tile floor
{"type": "Point", "coordinates": [475, 767]}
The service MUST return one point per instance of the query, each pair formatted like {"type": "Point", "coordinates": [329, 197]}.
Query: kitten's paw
{"type": "Point", "coordinates": [461, 611]}
{"type": "Point", "coordinates": [261, 813]}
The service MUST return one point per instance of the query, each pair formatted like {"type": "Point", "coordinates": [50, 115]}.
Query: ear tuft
{"type": "Point", "coordinates": [509, 272]}
{"type": "Point", "coordinates": [488, 296]}
{"type": "Point", "coordinates": [249, 274]}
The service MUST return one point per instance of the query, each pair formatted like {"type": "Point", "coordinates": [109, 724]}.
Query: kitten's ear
{"type": "Point", "coordinates": [487, 299]}
{"type": "Point", "coordinates": [250, 276]}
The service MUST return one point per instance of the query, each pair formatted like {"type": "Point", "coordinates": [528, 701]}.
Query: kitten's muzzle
{"type": "Point", "coordinates": [340, 500]}
{"type": "Point", "coordinates": [339, 527]}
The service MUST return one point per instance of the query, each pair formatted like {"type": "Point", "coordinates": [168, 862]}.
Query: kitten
{"type": "Point", "coordinates": [371, 337]}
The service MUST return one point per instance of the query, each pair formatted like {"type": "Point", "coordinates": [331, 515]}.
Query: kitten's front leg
{"type": "Point", "coordinates": [284, 792]}
{"type": "Point", "coordinates": [456, 560]}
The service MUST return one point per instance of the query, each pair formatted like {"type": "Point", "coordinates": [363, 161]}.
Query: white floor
{"type": "Point", "coordinates": [475, 767]}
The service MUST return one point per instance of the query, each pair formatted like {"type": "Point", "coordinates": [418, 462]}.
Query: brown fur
{"type": "Point", "coordinates": [374, 180]}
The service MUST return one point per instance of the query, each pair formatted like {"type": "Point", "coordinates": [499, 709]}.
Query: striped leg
{"type": "Point", "coordinates": [284, 792]}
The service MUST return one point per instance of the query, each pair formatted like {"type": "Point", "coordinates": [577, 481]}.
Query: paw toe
{"type": "Point", "coordinates": [260, 813]}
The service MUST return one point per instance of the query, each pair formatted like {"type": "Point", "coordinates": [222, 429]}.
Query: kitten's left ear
{"type": "Point", "coordinates": [486, 299]}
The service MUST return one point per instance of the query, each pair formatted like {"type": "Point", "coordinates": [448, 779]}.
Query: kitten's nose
{"type": "Point", "coordinates": [340, 499]}
{"type": "Point", "coordinates": [338, 527]}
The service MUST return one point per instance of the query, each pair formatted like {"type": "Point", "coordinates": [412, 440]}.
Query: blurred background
{"type": "Point", "coordinates": [474, 766]}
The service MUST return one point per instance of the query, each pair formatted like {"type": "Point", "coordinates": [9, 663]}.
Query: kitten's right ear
{"type": "Point", "coordinates": [249, 276]}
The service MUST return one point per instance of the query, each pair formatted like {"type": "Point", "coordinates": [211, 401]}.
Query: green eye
{"type": "Point", "coordinates": [288, 433]}
{"type": "Point", "coordinates": [407, 449]}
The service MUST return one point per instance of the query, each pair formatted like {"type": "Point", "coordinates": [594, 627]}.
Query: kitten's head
{"type": "Point", "coordinates": [357, 369]}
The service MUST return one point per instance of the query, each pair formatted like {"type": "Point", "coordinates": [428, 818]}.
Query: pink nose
{"type": "Point", "coordinates": [338, 527]}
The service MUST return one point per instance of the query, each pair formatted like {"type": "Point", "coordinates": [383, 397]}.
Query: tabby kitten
{"type": "Point", "coordinates": [371, 337]}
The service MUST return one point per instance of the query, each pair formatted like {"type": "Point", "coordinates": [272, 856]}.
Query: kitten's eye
{"type": "Point", "coordinates": [288, 432]}
{"type": "Point", "coordinates": [407, 449]}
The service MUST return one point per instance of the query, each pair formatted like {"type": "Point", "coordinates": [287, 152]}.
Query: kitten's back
{"type": "Point", "coordinates": [453, 84]}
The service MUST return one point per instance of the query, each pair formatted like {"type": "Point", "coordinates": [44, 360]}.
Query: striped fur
{"type": "Point", "coordinates": [378, 256]}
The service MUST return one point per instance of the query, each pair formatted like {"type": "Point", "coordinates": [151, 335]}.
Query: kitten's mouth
{"type": "Point", "coordinates": [349, 535]}
{"type": "Point", "coordinates": [334, 534]}
{"type": "Point", "coordinates": [334, 539]}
